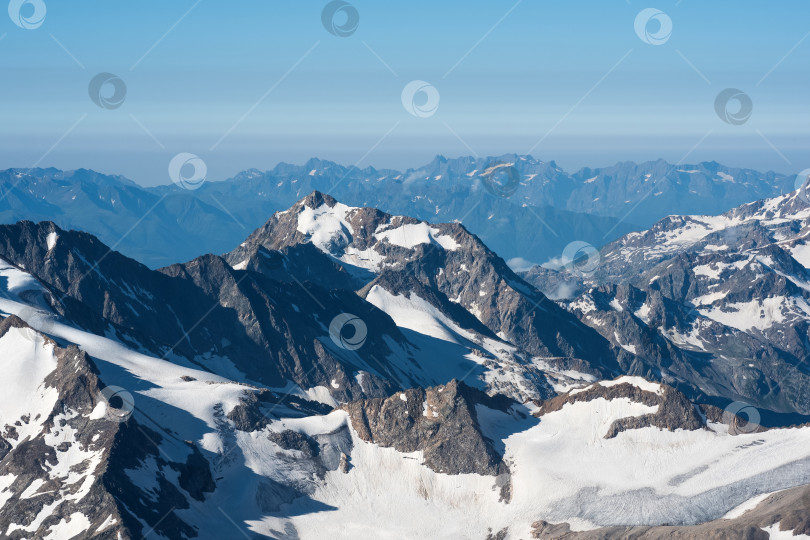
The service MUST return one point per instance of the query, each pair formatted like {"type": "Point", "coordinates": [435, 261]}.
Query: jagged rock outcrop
{"type": "Point", "coordinates": [277, 439]}
{"type": "Point", "coordinates": [674, 411]}
{"type": "Point", "coordinates": [441, 422]}
{"type": "Point", "coordinates": [207, 311]}
{"type": "Point", "coordinates": [253, 312]}
{"type": "Point", "coordinates": [54, 460]}
{"type": "Point", "coordinates": [714, 305]}
{"type": "Point", "coordinates": [69, 468]}
{"type": "Point", "coordinates": [445, 258]}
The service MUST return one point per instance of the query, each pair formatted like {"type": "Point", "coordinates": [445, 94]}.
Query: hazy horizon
{"type": "Point", "coordinates": [576, 83]}
{"type": "Point", "coordinates": [167, 181]}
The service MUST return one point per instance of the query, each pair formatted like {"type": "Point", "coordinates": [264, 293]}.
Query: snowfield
{"type": "Point", "coordinates": [26, 360]}
{"type": "Point", "coordinates": [457, 352]}
{"type": "Point", "coordinates": [330, 230]}
{"type": "Point", "coordinates": [562, 469]}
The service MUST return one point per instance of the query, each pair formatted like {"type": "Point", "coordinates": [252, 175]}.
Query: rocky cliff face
{"type": "Point", "coordinates": [54, 456]}
{"type": "Point", "coordinates": [674, 410]}
{"type": "Point", "coordinates": [444, 258]}
{"type": "Point", "coordinates": [266, 309]}
{"type": "Point", "coordinates": [716, 305]}
{"type": "Point", "coordinates": [220, 397]}
{"type": "Point", "coordinates": [206, 312]}
{"type": "Point", "coordinates": [441, 422]}
{"type": "Point", "coordinates": [68, 463]}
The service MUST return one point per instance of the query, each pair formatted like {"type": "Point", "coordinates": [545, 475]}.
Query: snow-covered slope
{"type": "Point", "coordinates": [53, 440]}
{"type": "Point", "coordinates": [314, 475]}
{"type": "Point", "coordinates": [246, 324]}
{"type": "Point", "coordinates": [451, 268]}
{"type": "Point", "coordinates": [717, 304]}
{"type": "Point", "coordinates": [781, 221]}
{"type": "Point", "coordinates": [165, 435]}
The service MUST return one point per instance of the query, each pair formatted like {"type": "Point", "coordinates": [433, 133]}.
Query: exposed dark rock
{"type": "Point", "coordinates": [195, 474]}
{"type": "Point", "coordinates": [710, 305]}
{"type": "Point", "coordinates": [272, 324]}
{"type": "Point", "coordinates": [247, 416]}
{"type": "Point", "coordinates": [76, 381]}
{"type": "Point", "coordinates": [292, 440]}
{"type": "Point", "coordinates": [472, 275]}
{"type": "Point", "coordinates": [439, 421]}
{"type": "Point", "coordinates": [271, 331]}
{"type": "Point", "coordinates": [675, 411]}
{"type": "Point", "coordinates": [5, 447]}
{"type": "Point", "coordinates": [345, 463]}
{"type": "Point", "coordinates": [137, 447]}
{"type": "Point", "coordinates": [257, 408]}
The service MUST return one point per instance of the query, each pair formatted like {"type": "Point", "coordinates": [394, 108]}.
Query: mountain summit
{"type": "Point", "coordinates": [344, 369]}
{"type": "Point", "coordinates": [593, 205]}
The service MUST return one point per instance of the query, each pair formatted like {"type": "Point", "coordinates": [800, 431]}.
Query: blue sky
{"type": "Point", "coordinates": [572, 81]}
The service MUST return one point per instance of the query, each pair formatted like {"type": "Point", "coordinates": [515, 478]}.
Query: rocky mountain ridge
{"type": "Point", "coordinates": [719, 301]}
{"type": "Point", "coordinates": [340, 372]}
{"type": "Point", "coordinates": [592, 205]}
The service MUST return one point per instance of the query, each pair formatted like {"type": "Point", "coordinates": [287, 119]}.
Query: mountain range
{"type": "Point", "coordinates": [721, 301]}
{"type": "Point", "coordinates": [341, 370]}
{"type": "Point", "coordinates": [496, 198]}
